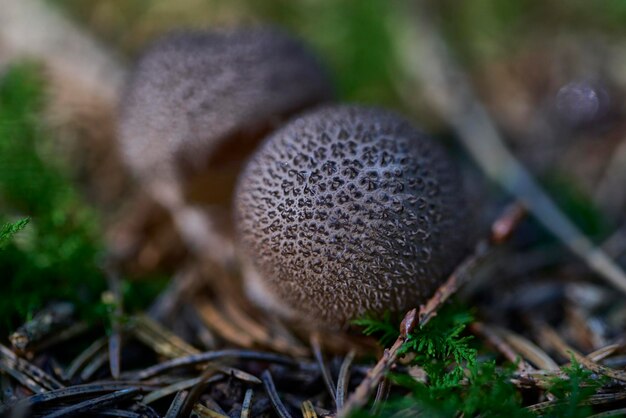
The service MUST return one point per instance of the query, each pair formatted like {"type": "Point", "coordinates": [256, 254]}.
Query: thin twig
{"type": "Point", "coordinates": [507, 222]}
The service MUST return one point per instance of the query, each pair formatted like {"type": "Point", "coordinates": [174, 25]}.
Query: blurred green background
{"type": "Point", "coordinates": [517, 53]}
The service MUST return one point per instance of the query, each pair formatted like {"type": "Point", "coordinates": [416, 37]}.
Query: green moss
{"type": "Point", "coordinates": [460, 383]}
{"type": "Point", "coordinates": [55, 257]}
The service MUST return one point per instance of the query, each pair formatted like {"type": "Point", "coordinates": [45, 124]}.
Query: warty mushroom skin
{"type": "Point", "coordinates": [196, 105]}
{"type": "Point", "coordinates": [345, 211]}
{"type": "Point", "coordinates": [192, 91]}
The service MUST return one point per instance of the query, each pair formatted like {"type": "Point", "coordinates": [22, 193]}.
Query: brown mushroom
{"type": "Point", "coordinates": [345, 211]}
{"type": "Point", "coordinates": [197, 104]}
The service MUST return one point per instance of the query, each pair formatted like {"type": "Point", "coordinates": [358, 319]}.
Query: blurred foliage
{"type": "Point", "coordinates": [350, 35]}
{"type": "Point", "coordinates": [56, 256]}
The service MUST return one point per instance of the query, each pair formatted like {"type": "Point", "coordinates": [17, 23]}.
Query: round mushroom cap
{"type": "Point", "coordinates": [194, 95]}
{"type": "Point", "coordinates": [348, 210]}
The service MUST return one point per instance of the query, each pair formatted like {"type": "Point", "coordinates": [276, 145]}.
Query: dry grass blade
{"type": "Point", "coordinates": [24, 371]}
{"type": "Point", "coordinates": [173, 388]}
{"type": "Point", "coordinates": [307, 410]}
{"type": "Point", "coordinates": [202, 332]}
{"type": "Point", "coordinates": [344, 378]}
{"type": "Point", "coordinates": [247, 401]}
{"type": "Point", "coordinates": [270, 388]}
{"type": "Point", "coordinates": [160, 339]}
{"type": "Point", "coordinates": [447, 90]}
{"type": "Point", "coordinates": [94, 403]}
{"type": "Point", "coordinates": [239, 374]}
{"type": "Point", "coordinates": [564, 349]}
{"type": "Point", "coordinates": [78, 392]}
{"type": "Point", "coordinates": [209, 356]}
{"type": "Point", "coordinates": [205, 412]}
{"type": "Point", "coordinates": [217, 322]}
{"type": "Point", "coordinates": [529, 350]}
{"type": "Point", "coordinates": [260, 333]}
{"type": "Point", "coordinates": [328, 379]}
{"type": "Point", "coordinates": [604, 352]}
{"type": "Point", "coordinates": [174, 410]}
{"type": "Point", "coordinates": [500, 344]}
{"type": "Point", "coordinates": [84, 357]}
{"type": "Point", "coordinates": [94, 365]}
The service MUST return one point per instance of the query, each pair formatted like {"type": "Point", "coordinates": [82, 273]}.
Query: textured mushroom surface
{"type": "Point", "coordinates": [348, 210]}
{"type": "Point", "coordinates": [193, 91]}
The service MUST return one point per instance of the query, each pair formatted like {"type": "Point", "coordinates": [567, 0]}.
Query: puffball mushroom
{"type": "Point", "coordinates": [348, 210]}
{"type": "Point", "coordinates": [198, 102]}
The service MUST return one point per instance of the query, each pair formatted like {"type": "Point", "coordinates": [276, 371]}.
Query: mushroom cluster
{"type": "Point", "coordinates": [340, 211]}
